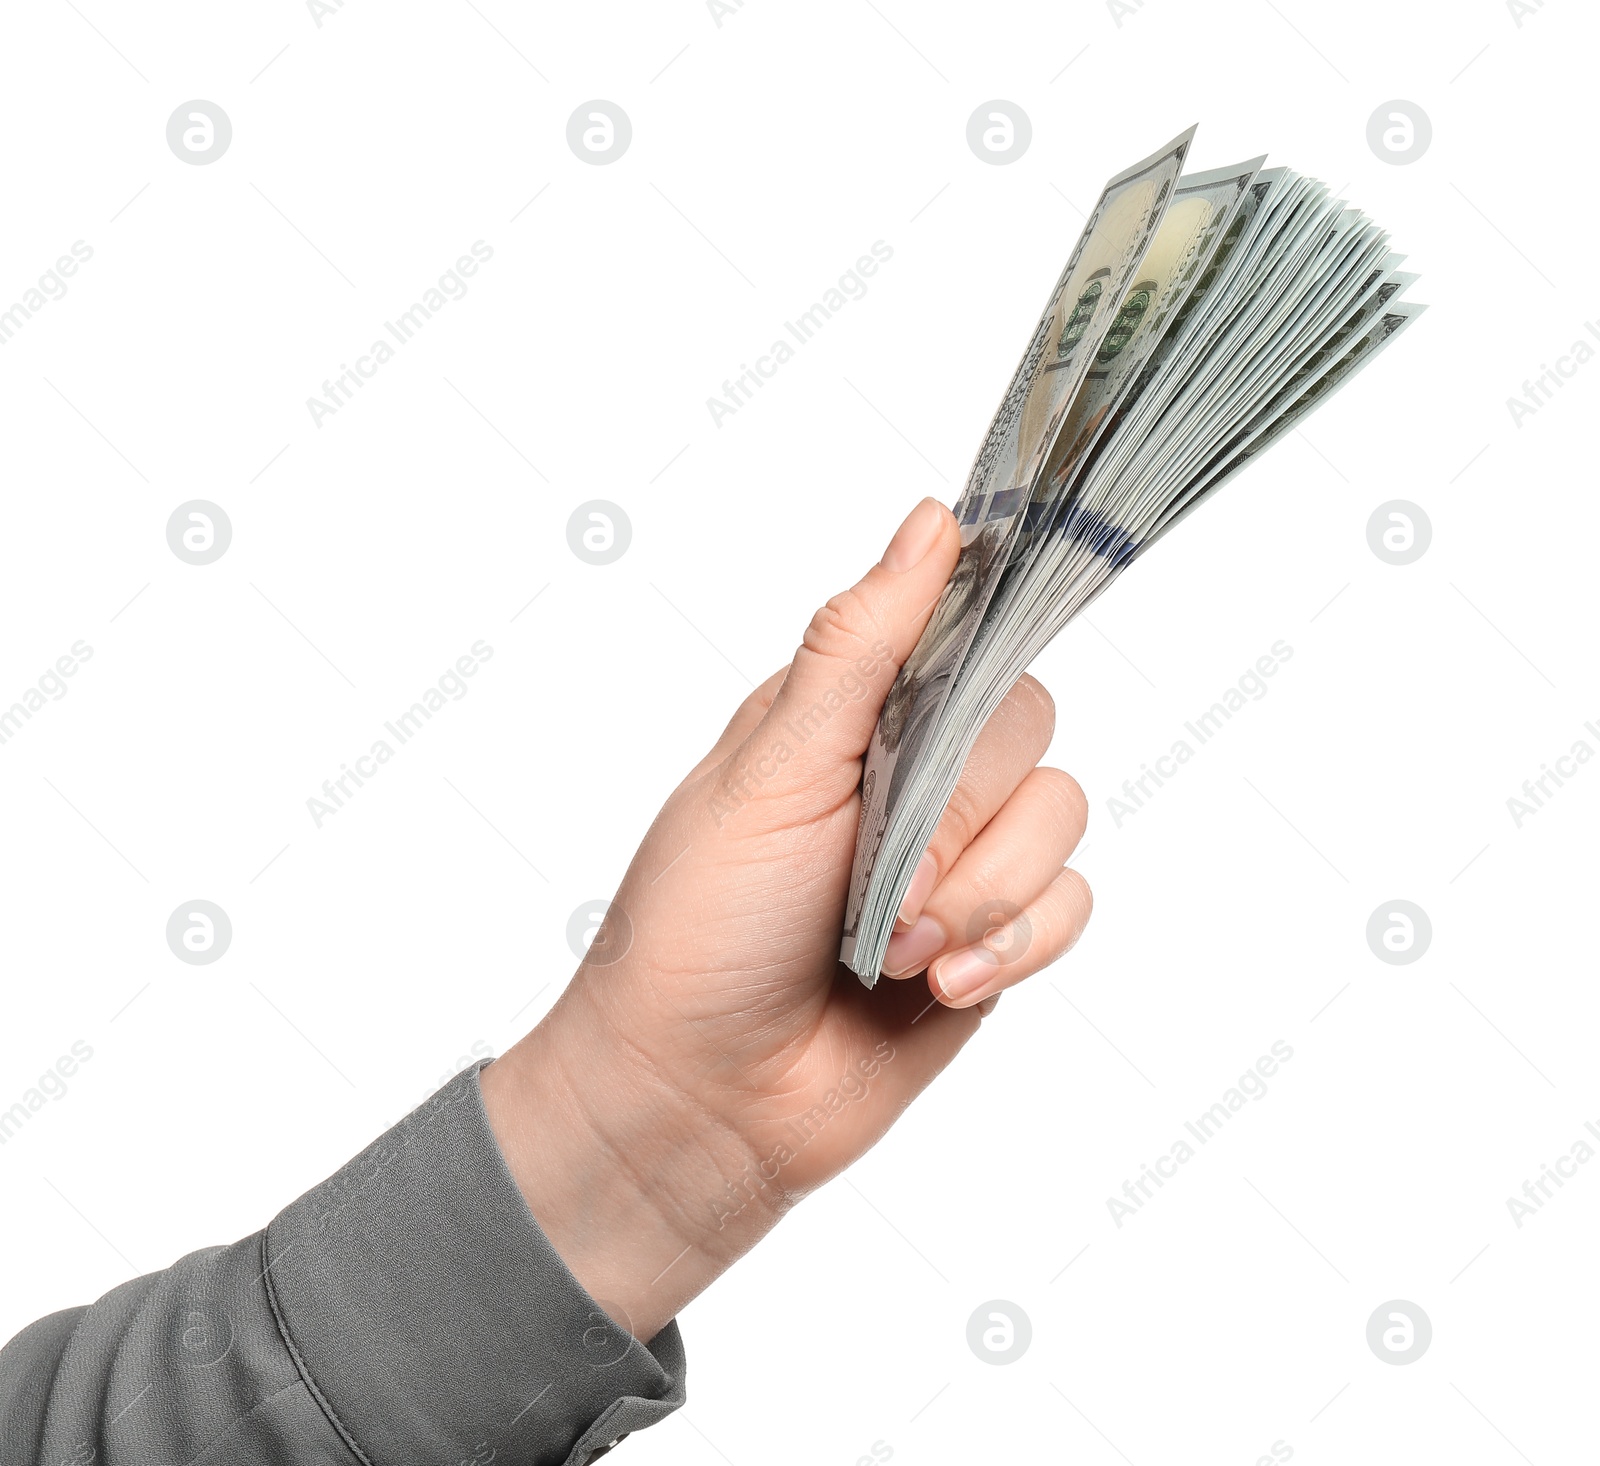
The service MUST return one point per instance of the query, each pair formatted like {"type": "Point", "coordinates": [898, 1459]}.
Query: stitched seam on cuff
{"type": "Point", "coordinates": [299, 1363]}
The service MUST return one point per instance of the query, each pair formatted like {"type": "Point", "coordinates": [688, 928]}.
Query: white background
{"type": "Point", "coordinates": [370, 955]}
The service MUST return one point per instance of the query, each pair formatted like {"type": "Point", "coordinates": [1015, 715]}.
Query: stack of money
{"type": "Point", "coordinates": [1198, 320]}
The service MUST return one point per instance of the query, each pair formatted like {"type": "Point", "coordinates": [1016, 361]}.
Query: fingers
{"type": "Point", "coordinates": [1019, 852]}
{"type": "Point", "coordinates": [855, 644]}
{"type": "Point", "coordinates": [1017, 946]}
{"type": "Point", "coordinates": [1011, 743]}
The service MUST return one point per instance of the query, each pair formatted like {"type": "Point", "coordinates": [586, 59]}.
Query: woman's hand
{"type": "Point", "coordinates": [712, 1061]}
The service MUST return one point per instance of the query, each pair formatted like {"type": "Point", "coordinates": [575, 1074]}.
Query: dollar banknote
{"type": "Point", "coordinates": [1198, 318]}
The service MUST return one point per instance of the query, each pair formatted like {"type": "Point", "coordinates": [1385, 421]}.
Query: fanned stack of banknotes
{"type": "Point", "coordinates": [1197, 321]}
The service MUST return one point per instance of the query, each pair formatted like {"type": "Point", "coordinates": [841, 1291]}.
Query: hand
{"type": "Point", "coordinates": [712, 1061]}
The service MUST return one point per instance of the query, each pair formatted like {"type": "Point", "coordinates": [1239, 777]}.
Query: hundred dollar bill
{"type": "Point", "coordinates": [1195, 225]}
{"type": "Point", "coordinates": [1070, 329]}
{"type": "Point", "coordinates": [1206, 213]}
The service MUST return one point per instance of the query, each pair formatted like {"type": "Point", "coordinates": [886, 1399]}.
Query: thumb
{"type": "Point", "coordinates": [855, 645]}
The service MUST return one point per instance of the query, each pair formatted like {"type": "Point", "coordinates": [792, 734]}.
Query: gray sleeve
{"type": "Point", "coordinates": [408, 1310]}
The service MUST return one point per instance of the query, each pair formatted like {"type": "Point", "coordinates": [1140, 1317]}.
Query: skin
{"type": "Point", "coordinates": [712, 1061]}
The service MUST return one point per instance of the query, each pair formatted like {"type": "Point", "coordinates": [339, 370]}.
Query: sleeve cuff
{"type": "Point", "coordinates": [432, 1319]}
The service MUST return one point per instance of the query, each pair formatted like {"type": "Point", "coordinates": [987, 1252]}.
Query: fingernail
{"type": "Point", "coordinates": [910, 950]}
{"type": "Point", "coordinates": [917, 892]}
{"type": "Point", "coordinates": [915, 537]}
{"type": "Point", "coordinates": [963, 976]}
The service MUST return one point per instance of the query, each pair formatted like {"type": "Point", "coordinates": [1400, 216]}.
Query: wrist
{"type": "Point", "coordinates": [646, 1198]}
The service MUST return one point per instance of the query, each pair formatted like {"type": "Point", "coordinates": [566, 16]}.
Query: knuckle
{"type": "Point", "coordinates": [1064, 913]}
{"type": "Point", "coordinates": [957, 829]}
{"type": "Point", "coordinates": [844, 628]}
{"type": "Point", "coordinates": [1064, 795]}
{"type": "Point", "coordinates": [1036, 697]}
{"type": "Point", "coordinates": [1078, 894]}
